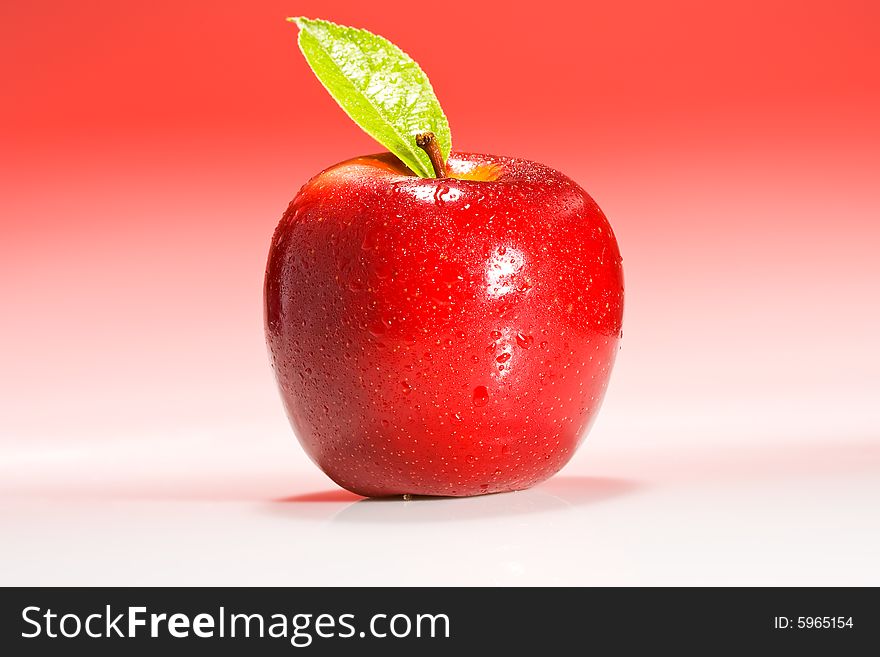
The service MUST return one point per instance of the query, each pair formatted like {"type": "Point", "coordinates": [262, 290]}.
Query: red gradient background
{"type": "Point", "coordinates": [147, 152]}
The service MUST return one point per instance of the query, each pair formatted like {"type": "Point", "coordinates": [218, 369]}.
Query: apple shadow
{"type": "Point", "coordinates": [557, 494]}
{"type": "Point", "coordinates": [337, 496]}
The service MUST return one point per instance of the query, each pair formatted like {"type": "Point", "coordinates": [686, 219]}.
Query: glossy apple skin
{"type": "Point", "coordinates": [442, 336]}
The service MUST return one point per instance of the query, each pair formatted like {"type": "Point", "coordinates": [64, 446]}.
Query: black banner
{"type": "Point", "coordinates": [422, 621]}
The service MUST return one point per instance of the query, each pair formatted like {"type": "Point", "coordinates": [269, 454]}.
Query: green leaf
{"type": "Point", "coordinates": [379, 86]}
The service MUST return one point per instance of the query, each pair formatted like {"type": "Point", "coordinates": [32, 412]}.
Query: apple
{"type": "Point", "coordinates": [442, 336]}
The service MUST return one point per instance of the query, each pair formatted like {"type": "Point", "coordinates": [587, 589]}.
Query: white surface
{"type": "Point", "coordinates": [159, 510]}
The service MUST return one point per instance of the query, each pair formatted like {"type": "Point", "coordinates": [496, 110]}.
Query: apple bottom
{"type": "Point", "coordinates": [464, 477]}
{"type": "Point", "coordinates": [451, 439]}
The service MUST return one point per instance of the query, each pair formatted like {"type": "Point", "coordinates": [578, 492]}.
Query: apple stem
{"type": "Point", "coordinates": [428, 143]}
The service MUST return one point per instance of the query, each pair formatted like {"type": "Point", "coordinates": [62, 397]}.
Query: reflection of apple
{"type": "Point", "coordinates": [442, 336]}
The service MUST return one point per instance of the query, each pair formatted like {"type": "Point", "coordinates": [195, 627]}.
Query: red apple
{"type": "Point", "coordinates": [442, 336]}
